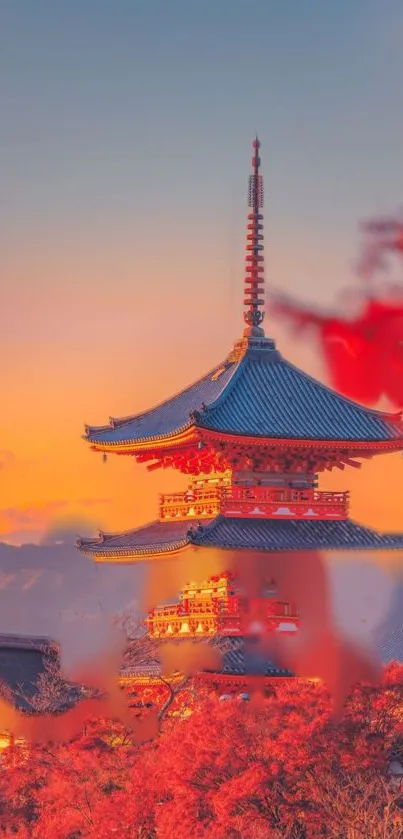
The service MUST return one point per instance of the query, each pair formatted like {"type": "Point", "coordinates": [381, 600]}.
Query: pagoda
{"type": "Point", "coordinates": [253, 435]}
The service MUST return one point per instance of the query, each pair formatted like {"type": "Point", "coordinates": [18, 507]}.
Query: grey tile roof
{"type": "Point", "coordinates": [247, 534]}
{"type": "Point", "coordinates": [156, 537]}
{"type": "Point", "coordinates": [170, 416]}
{"type": "Point", "coordinates": [283, 535]}
{"type": "Point", "coordinates": [20, 668]}
{"type": "Point", "coordinates": [239, 658]}
{"type": "Point", "coordinates": [151, 670]}
{"type": "Point", "coordinates": [260, 395]}
{"type": "Point", "coordinates": [392, 645]}
{"type": "Point", "coordinates": [22, 662]}
{"type": "Point", "coordinates": [272, 398]}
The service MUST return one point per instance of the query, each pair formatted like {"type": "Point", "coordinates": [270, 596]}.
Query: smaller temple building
{"type": "Point", "coordinates": [217, 606]}
{"type": "Point", "coordinates": [218, 614]}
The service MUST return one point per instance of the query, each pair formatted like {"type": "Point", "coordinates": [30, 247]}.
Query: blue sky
{"type": "Point", "coordinates": [108, 105]}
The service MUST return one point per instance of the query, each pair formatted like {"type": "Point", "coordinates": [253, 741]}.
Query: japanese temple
{"type": "Point", "coordinates": [253, 436]}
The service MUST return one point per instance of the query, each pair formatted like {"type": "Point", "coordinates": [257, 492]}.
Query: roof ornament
{"type": "Point", "coordinates": [254, 279]}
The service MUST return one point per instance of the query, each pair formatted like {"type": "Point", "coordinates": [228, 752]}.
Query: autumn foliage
{"type": "Point", "coordinates": [279, 765]}
{"type": "Point", "coordinates": [363, 353]}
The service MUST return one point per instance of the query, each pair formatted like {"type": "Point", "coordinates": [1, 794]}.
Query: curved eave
{"type": "Point", "coordinates": [157, 540]}
{"type": "Point", "coordinates": [133, 555]}
{"type": "Point", "coordinates": [264, 536]}
{"type": "Point", "coordinates": [196, 433]}
{"type": "Point", "coordinates": [175, 439]}
{"type": "Point", "coordinates": [239, 679]}
{"type": "Point", "coordinates": [392, 444]}
{"type": "Point", "coordinates": [259, 399]}
{"type": "Point", "coordinates": [203, 392]}
{"type": "Point", "coordinates": [148, 541]}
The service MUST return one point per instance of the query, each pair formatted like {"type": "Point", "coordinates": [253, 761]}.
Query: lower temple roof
{"type": "Point", "coordinates": [239, 658]}
{"type": "Point", "coordinates": [154, 538]}
{"type": "Point", "coordinates": [159, 538]}
{"type": "Point", "coordinates": [23, 661]}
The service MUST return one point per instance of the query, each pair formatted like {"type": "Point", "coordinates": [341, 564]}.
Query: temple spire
{"type": "Point", "coordinates": [254, 279]}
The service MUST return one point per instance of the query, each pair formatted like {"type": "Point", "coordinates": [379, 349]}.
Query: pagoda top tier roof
{"type": "Point", "coordinates": [254, 393]}
{"type": "Point", "coordinates": [167, 538]}
{"type": "Point", "coordinates": [255, 397]}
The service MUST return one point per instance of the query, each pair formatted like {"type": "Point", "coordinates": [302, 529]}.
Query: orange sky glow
{"type": "Point", "coordinates": [95, 328]}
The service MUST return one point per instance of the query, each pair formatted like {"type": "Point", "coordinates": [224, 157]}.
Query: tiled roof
{"type": "Point", "coordinates": [31, 642]}
{"type": "Point", "coordinates": [392, 645]}
{"type": "Point", "coordinates": [272, 398]}
{"type": "Point", "coordinates": [156, 537]}
{"type": "Point", "coordinates": [260, 395]}
{"type": "Point", "coordinates": [283, 535]}
{"type": "Point", "coordinates": [246, 534]}
{"type": "Point", "coordinates": [23, 661]}
{"type": "Point", "coordinates": [240, 658]}
{"type": "Point", "coordinates": [150, 671]}
{"type": "Point", "coordinates": [170, 416]}
{"type": "Point", "coordinates": [20, 669]}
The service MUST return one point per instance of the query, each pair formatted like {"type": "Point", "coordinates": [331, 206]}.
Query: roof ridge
{"type": "Point", "coordinates": [118, 422]}
{"type": "Point", "coordinates": [102, 534]}
{"type": "Point", "coordinates": [229, 385]}
{"type": "Point", "coordinates": [112, 534]}
{"type": "Point", "coordinates": [246, 360]}
{"type": "Point", "coordinates": [205, 528]}
{"type": "Point", "coordinates": [346, 399]}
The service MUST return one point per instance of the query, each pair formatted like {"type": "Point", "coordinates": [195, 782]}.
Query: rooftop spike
{"type": "Point", "coordinates": [254, 279]}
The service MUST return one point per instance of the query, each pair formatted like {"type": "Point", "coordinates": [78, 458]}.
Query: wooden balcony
{"type": "Point", "coordinates": [193, 504]}
{"type": "Point", "coordinates": [267, 502]}
{"type": "Point", "coordinates": [161, 625]}
{"type": "Point", "coordinates": [254, 502]}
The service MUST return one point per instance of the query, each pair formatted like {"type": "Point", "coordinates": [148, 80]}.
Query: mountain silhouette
{"type": "Point", "coordinates": [53, 590]}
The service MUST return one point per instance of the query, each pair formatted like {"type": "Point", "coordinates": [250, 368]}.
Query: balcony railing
{"type": "Point", "coordinates": [254, 502]}
{"type": "Point", "coordinates": [267, 502]}
{"type": "Point", "coordinates": [193, 504]}
{"type": "Point", "coordinates": [205, 624]}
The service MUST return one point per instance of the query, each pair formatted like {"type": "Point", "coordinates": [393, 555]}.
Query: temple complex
{"type": "Point", "coordinates": [253, 436]}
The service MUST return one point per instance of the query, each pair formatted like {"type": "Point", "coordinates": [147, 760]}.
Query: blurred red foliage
{"type": "Point", "coordinates": [278, 766]}
{"type": "Point", "coordinates": [363, 354]}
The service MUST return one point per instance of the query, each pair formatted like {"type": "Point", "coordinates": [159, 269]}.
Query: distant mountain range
{"type": "Point", "coordinates": [53, 590]}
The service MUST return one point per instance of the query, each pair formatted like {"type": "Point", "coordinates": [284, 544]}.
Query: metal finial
{"type": "Point", "coordinates": [254, 279]}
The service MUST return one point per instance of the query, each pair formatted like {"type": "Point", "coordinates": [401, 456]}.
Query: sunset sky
{"type": "Point", "coordinates": [125, 147]}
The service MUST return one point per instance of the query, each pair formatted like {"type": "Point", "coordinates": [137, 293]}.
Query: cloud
{"type": "Point", "coordinates": [6, 457]}
{"type": "Point", "coordinates": [47, 522]}
{"type": "Point", "coordinates": [32, 579]}
{"type": "Point", "coordinates": [19, 525]}
{"type": "Point", "coordinates": [6, 580]}
{"type": "Point", "coordinates": [93, 502]}
{"type": "Point", "coordinates": [35, 516]}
